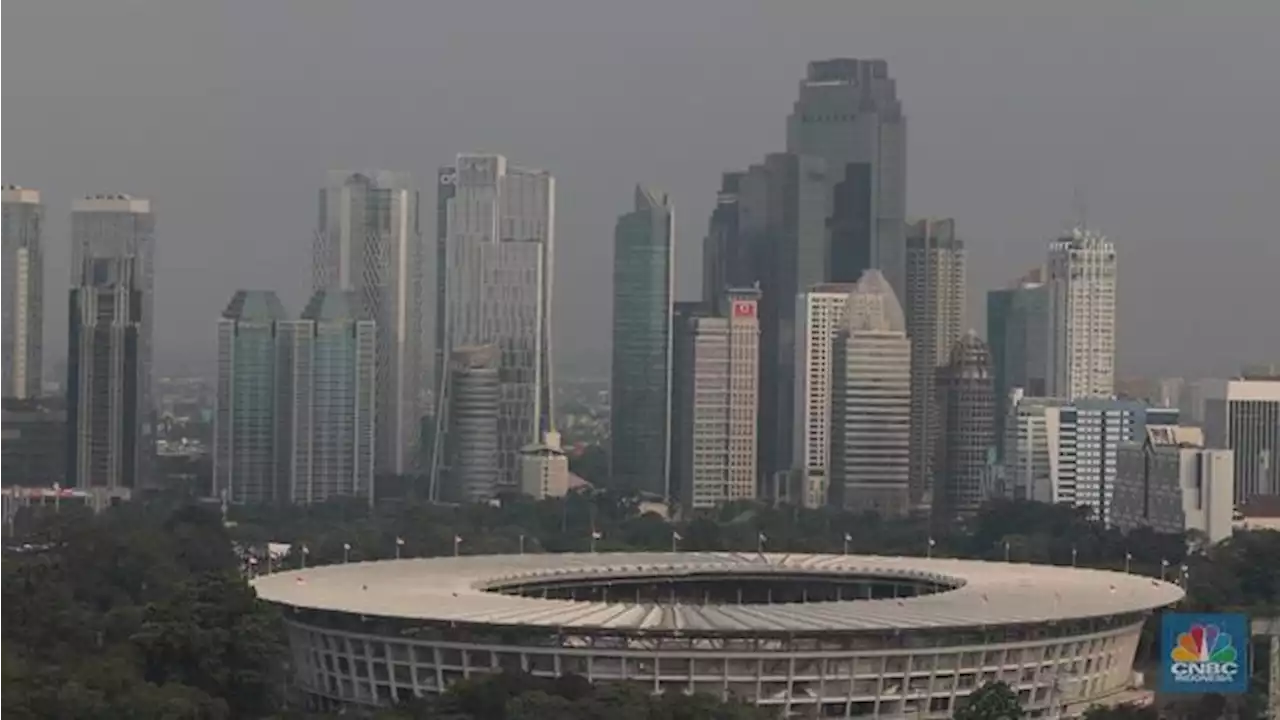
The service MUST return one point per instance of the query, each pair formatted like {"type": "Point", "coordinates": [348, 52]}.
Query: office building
{"type": "Point", "coordinates": [934, 308]}
{"type": "Point", "coordinates": [472, 471]}
{"type": "Point", "coordinates": [1244, 416]}
{"type": "Point", "coordinates": [849, 115]}
{"type": "Point", "coordinates": [110, 412]}
{"type": "Point", "coordinates": [250, 446]}
{"type": "Point", "coordinates": [821, 314]}
{"type": "Point", "coordinates": [499, 276]}
{"type": "Point", "coordinates": [1082, 316]}
{"type": "Point", "coordinates": [1064, 451]}
{"type": "Point", "coordinates": [368, 242]}
{"type": "Point", "coordinates": [783, 211]}
{"type": "Point", "coordinates": [871, 402]}
{"type": "Point", "coordinates": [544, 468]}
{"type": "Point", "coordinates": [34, 443]}
{"type": "Point", "coordinates": [640, 380]}
{"type": "Point", "coordinates": [330, 358]}
{"type": "Point", "coordinates": [728, 260]}
{"type": "Point", "coordinates": [1167, 480]}
{"type": "Point", "coordinates": [715, 412]}
{"type": "Point", "coordinates": [1017, 332]}
{"type": "Point", "coordinates": [967, 440]}
{"type": "Point", "coordinates": [23, 304]}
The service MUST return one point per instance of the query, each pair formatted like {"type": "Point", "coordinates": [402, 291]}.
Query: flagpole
{"type": "Point", "coordinates": [457, 542]}
{"type": "Point", "coordinates": [928, 549]}
{"type": "Point", "coordinates": [1128, 558]}
{"type": "Point", "coordinates": [397, 548]}
{"type": "Point", "coordinates": [346, 552]}
{"type": "Point", "coordinates": [1073, 556]}
{"type": "Point", "coordinates": [1006, 551]}
{"type": "Point", "coordinates": [674, 539]}
{"type": "Point", "coordinates": [522, 544]}
{"type": "Point", "coordinates": [845, 547]}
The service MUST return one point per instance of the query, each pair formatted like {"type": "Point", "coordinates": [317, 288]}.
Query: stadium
{"type": "Point", "coordinates": [811, 635]}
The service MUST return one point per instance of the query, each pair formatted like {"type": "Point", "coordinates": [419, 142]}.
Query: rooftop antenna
{"type": "Point", "coordinates": [1079, 207]}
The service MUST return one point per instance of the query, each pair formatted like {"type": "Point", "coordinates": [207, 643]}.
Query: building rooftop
{"type": "Point", "coordinates": [462, 589]}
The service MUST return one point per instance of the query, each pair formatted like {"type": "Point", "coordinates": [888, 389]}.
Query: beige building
{"type": "Point", "coordinates": [871, 402]}
{"type": "Point", "coordinates": [934, 308]}
{"type": "Point", "coordinates": [544, 468]}
{"type": "Point", "coordinates": [820, 312]}
{"type": "Point", "coordinates": [717, 394]}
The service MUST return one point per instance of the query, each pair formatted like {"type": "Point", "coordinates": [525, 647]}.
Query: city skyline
{"type": "Point", "coordinates": [998, 146]}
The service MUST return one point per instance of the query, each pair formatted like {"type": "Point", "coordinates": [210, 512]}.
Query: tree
{"type": "Point", "coordinates": [993, 701]}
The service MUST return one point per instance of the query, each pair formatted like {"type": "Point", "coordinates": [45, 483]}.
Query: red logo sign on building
{"type": "Point", "coordinates": [744, 309]}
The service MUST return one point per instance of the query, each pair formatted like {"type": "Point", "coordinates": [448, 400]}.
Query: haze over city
{"type": "Point", "coordinates": [1158, 119]}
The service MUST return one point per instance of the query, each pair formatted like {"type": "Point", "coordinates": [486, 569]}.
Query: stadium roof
{"type": "Point", "coordinates": [453, 590]}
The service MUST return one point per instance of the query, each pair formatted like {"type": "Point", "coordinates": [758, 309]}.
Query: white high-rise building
{"type": "Point", "coordinates": [544, 468]}
{"type": "Point", "coordinates": [871, 401]}
{"type": "Point", "coordinates": [368, 242]}
{"type": "Point", "coordinates": [1244, 415]}
{"type": "Point", "coordinates": [819, 313]}
{"type": "Point", "coordinates": [499, 274]}
{"type": "Point", "coordinates": [1082, 316]}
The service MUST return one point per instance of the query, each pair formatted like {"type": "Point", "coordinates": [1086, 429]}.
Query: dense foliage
{"type": "Point", "coordinates": [140, 612]}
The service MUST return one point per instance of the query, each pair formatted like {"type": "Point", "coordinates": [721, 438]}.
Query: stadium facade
{"type": "Point", "coordinates": [810, 635]}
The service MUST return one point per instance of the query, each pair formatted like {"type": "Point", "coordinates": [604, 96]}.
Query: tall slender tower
{"type": "Point", "coordinates": [23, 292]}
{"type": "Point", "coordinates": [640, 381]}
{"type": "Point", "coordinates": [368, 241]}
{"type": "Point", "coordinates": [821, 316]}
{"type": "Point", "coordinates": [330, 365]}
{"type": "Point", "coordinates": [110, 412]}
{"type": "Point", "coordinates": [967, 414]}
{"type": "Point", "coordinates": [871, 402]}
{"type": "Point", "coordinates": [935, 302]}
{"type": "Point", "coordinates": [848, 113]}
{"type": "Point", "coordinates": [499, 275]}
{"type": "Point", "coordinates": [1017, 332]}
{"type": "Point", "coordinates": [1082, 316]}
{"type": "Point", "coordinates": [250, 448]}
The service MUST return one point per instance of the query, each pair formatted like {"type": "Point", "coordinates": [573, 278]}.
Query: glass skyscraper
{"type": "Point", "coordinates": [250, 447]}
{"type": "Point", "coordinates": [640, 381]}
{"type": "Point", "coordinates": [23, 292]}
{"type": "Point", "coordinates": [499, 251]}
{"type": "Point", "coordinates": [368, 241]}
{"type": "Point", "coordinates": [110, 412]}
{"type": "Point", "coordinates": [849, 115]}
{"type": "Point", "coordinates": [330, 355]}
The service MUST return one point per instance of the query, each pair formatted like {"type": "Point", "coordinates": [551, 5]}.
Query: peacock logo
{"type": "Point", "coordinates": [1204, 643]}
{"type": "Point", "coordinates": [1204, 654]}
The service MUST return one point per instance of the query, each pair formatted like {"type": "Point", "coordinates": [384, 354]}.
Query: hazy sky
{"type": "Point", "coordinates": [227, 113]}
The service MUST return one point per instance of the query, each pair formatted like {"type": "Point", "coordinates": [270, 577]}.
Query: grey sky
{"type": "Point", "coordinates": [227, 114]}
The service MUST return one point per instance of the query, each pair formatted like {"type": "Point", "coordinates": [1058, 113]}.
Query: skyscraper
{"type": "Point", "coordinates": [23, 292]}
{"type": "Point", "coordinates": [499, 276]}
{"type": "Point", "coordinates": [110, 413]}
{"type": "Point", "coordinates": [727, 259]}
{"type": "Point", "coordinates": [848, 113]}
{"type": "Point", "coordinates": [368, 241]}
{"type": "Point", "coordinates": [640, 381]}
{"type": "Point", "coordinates": [1082, 316]}
{"type": "Point", "coordinates": [1017, 332]}
{"type": "Point", "coordinates": [250, 445]}
{"type": "Point", "coordinates": [821, 315]}
{"type": "Point", "coordinates": [330, 366]}
{"type": "Point", "coordinates": [935, 303]}
{"type": "Point", "coordinates": [783, 210]}
{"type": "Point", "coordinates": [871, 402]}
{"type": "Point", "coordinates": [715, 411]}
{"type": "Point", "coordinates": [968, 439]}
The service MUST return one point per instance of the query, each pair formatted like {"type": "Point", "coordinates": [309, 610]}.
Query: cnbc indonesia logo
{"type": "Point", "coordinates": [1204, 654]}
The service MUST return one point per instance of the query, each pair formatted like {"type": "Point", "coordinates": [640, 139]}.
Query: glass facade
{"type": "Point", "coordinates": [640, 379]}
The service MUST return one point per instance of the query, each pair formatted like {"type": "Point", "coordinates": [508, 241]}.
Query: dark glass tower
{"type": "Point", "coordinates": [640, 379]}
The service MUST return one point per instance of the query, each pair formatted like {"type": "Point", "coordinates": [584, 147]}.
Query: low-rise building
{"type": "Point", "coordinates": [1170, 482]}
